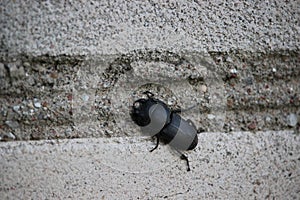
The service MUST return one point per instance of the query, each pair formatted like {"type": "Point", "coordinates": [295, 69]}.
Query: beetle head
{"type": "Point", "coordinates": [140, 111]}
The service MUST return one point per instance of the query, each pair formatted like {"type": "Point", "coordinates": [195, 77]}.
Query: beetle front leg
{"type": "Point", "coordinates": [180, 110]}
{"type": "Point", "coordinates": [157, 143]}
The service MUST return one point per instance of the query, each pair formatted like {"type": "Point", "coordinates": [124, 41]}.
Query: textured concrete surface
{"type": "Point", "coordinates": [67, 97]}
{"type": "Point", "coordinates": [240, 165]}
{"type": "Point", "coordinates": [255, 49]}
{"type": "Point", "coordinates": [110, 27]}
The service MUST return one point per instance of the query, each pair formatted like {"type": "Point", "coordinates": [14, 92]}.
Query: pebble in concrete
{"type": "Point", "coordinates": [292, 119]}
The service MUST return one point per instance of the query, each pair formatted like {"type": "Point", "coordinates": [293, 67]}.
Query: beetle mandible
{"type": "Point", "coordinates": [156, 119]}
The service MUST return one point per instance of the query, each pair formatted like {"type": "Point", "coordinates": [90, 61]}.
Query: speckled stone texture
{"type": "Point", "coordinates": [58, 58]}
{"type": "Point", "coordinates": [240, 165]}
{"type": "Point", "coordinates": [110, 27]}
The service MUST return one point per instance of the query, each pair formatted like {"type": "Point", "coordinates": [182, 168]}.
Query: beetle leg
{"type": "Point", "coordinates": [177, 110]}
{"type": "Point", "coordinates": [184, 110]}
{"type": "Point", "coordinates": [200, 130]}
{"type": "Point", "coordinates": [157, 142]}
{"type": "Point", "coordinates": [184, 157]}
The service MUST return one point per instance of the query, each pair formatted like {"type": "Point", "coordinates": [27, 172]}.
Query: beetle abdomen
{"type": "Point", "coordinates": [179, 134]}
{"type": "Point", "coordinates": [194, 143]}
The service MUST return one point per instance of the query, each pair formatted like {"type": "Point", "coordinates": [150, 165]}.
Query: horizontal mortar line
{"type": "Point", "coordinates": [73, 121]}
{"type": "Point", "coordinates": [139, 137]}
{"type": "Point", "coordinates": [28, 93]}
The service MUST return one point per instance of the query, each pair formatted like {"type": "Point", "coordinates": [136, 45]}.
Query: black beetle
{"type": "Point", "coordinates": [156, 119]}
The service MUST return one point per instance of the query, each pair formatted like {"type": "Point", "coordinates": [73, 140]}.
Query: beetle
{"type": "Point", "coordinates": [156, 119]}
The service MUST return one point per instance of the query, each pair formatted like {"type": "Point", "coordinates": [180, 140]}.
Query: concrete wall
{"type": "Point", "coordinates": [110, 27]}
{"type": "Point", "coordinates": [69, 72]}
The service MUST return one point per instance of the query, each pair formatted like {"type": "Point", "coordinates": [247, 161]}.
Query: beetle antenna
{"type": "Point", "coordinates": [149, 94]}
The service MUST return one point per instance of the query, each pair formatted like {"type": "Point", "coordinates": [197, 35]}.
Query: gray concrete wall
{"type": "Point", "coordinates": [111, 27]}
{"type": "Point", "coordinates": [69, 72]}
{"type": "Point", "coordinates": [224, 166]}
